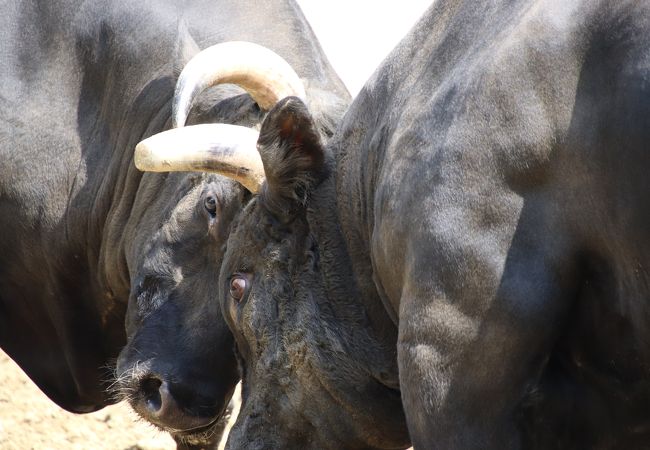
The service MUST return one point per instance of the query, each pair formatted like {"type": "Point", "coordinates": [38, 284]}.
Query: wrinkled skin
{"type": "Point", "coordinates": [487, 191]}
{"type": "Point", "coordinates": [107, 274]}
{"type": "Point", "coordinates": [303, 385]}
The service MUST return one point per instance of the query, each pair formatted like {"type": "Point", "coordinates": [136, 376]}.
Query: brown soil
{"type": "Point", "coordinates": [29, 420]}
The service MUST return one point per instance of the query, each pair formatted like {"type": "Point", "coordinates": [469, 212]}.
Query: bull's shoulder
{"type": "Point", "coordinates": [495, 118]}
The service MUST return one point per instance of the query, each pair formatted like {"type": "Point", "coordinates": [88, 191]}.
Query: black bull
{"type": "Point", "coordinates": [472, 243]}
{"type": "Point", "coordinates": [96, 259]}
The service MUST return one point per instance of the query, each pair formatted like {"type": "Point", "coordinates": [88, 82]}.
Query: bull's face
{"type": "Point", "coordinates": [178, 369]}
{"type": "Point", "coordinates": [304, 385]}
{"type": "Point", "coordinates": [172, 303]}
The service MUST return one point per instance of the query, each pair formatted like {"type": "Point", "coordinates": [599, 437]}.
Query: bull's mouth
{"type": "Point", "coordinates": [196, 430]}
{"type": "Point", "coordinates": [206, 436]}
{"type": "Point", "coordinates": [215, 421]}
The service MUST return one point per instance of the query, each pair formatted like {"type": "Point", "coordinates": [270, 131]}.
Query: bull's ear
{"type": "Point", "coordinates": [292, 153]}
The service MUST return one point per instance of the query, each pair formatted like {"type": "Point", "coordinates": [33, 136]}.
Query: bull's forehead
{"type": "Point", "coordinates": [184, 200]}
{"type": "Point", "coordinates": [247, 237]}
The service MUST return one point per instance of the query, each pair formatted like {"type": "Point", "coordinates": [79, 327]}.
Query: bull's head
{"type": "Point", "coordinates": [173, 301]}
{"type": "Point", "coordinates": [285, 260]}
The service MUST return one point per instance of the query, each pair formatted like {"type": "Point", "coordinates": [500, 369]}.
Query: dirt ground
{"type": "Point", "coordinates": [29, 420]}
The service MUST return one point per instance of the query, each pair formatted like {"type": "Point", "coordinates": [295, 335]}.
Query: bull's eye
{"type": "Point", "coordinates": [238, 287]}
{"type": "Point", "coordinates": [210, 204]}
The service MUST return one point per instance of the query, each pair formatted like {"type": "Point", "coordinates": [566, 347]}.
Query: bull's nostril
{"type": "Point", "coordinates": [150, 388]}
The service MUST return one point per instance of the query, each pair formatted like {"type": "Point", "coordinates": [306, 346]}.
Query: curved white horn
{"type": "Point", "coordinates": [229, 150]}
{"type": "Point", "coordinates": [265, 75]}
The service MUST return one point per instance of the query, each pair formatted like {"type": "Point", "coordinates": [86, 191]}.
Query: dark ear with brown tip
{"type": "Point", "coordinates": [292, 154]}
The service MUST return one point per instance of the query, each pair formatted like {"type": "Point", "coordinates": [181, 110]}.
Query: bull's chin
{"type": "Point", "coordinates": [207, 436]}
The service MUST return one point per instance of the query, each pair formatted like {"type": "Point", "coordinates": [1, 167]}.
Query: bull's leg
{"type": "Point", "coordinates": [476, 326]}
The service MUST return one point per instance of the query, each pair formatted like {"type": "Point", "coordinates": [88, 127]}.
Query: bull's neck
{"type": "Point", "coordinates": [346, 273]}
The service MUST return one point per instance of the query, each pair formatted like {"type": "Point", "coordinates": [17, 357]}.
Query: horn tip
{"type": "Point", "coordinates": [142, 156]}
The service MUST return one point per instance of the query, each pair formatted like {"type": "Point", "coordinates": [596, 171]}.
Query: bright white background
{"type": "Point", "coordinates": [358, 34]}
